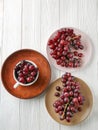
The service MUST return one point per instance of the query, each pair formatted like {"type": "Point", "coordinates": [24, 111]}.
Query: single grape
{"type": "Point", "coordinates": [66, 100]}
{"type": "Point", "coordinates": [76, 95]}
{"type": "Point", "coordinates": [60, 113]}
{"type": "Point", "coordinates": [62, 96]}
{"type": "Point", "coordinates": [58, 88]}
{"type": "Point", "coordinates": [59, 108]}
{"type": "Point", "coordinates": [68, 88]}
{"type": "Point", "coordinates": [80, 98]}
{"type": "Point", "coordinates": [68, 108]}
{"type": "Point", "coordinates": [56, 110]}
{"type": "Point", "coordinates": [77, 90]}
{"type": "Point", "coordinates": [66, 94]}
{"type": "Point", "coordinates": [79, 109]}
{"type": "Point", "coordinates": [65, 90]}
{"type": "Point", "coordinates": [71, 93]}
{"type": "Point", "coordinates": [68, 119]}
{"type": "Point", "coordinates": [69, 114]}
{"type": "Point", "coordinates": [55, 105]}
{"type": "Point", "coordinates": [57, 94]}
{"type": "Point", "coordinates": [75, 100]}
{"type": "Point", "coordinates": [61, 101]}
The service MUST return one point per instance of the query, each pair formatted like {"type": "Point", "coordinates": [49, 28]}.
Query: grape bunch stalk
{"type": "Point", "coordinates": [70, 100]}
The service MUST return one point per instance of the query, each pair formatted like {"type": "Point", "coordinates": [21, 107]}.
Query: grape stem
{"type": "Point", "coordinates": [65, 109]}
{"type": "Point", "coordinates": [66, 105]}
{"type": "Point", "coordinates": [75, 37]}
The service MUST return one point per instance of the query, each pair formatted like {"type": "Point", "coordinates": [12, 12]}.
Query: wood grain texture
{"type": "Point", "coordinates": [11, 40]}
{"type": "Point", "coordinates": [49, 22]}
{"type": "Point", "coordinates": [1, 21]}
{"type": "Point", "coordinates": [1, 32]}
{"type": "Point", "coordinates": [30, 39]}
{"type": "Point", "coordinates": [28, 24]}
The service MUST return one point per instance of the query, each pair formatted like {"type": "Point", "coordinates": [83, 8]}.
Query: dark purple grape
{"type": "Point", "coordinates": [80, 98]}
{"type": "Point", "coordinates": [69, 114]}
{"type": "Point", "coordinates": [59, 108]}
{"type": "Point", "coordinates": [68, 88]}
{"type": "Point", "coordinates": [81, 47]}
{"type": "Point", "coordinates": [58, 88]}
{"type": "Point", "coordinates": [75, 100]}
{"type": "Point", "coordinates": [66, 94]}
{"type": "Point", "coordinates": [68, 119]}
{"type": "Point", "coordinates": [68, 74]}
{"type": "Point", "coordinates": [54, 105]}
{"type": "Point", "coordinates": [77, 91]}
{"type": "Point", "coordinates": [68, 83]}
{"type": "Point", "coordinates": [60, 113]}
{"type": "Point", "coordinates": [23, 62]}
{"type": "Point", "coordinates": [76, 95]}
{"type": "Point", "coordinates": [63, 80]}
{"type": "Point", "coordinates": [71, 103]}
{"type": "Point", "coordinates": [62, 96]}
{"type": "Point", "coordinates": [79, 109]}
{"type": "Point", "coordinates": [71, 93]}
{"type": "Point", "coordinates": [73, 87]}
{"type": "Point", "coordinates": [66, 100]}
{"type": "Point", "coordinates": [73, 110]}
{"type": "Point", "coordinates": [68, 108]}
{"type": "Point", "coordinates": [61, 101]}
{"type": "Point", "coordinates": [81, 103]}
{"type": "Point", "coordinates": [56, 110]}
{"type": "Point", "coordinates": [65, 90]}
{"type": "Point", "coordinates": [57, 94]}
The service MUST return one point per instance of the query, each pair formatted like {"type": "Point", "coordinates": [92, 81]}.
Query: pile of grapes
{"type": "Point", "coordinates": [64, 48]}
{"type": "Point", "coordinates": [70, 99]}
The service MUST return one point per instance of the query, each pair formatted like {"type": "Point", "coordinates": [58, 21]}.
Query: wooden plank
{"type": "Point", "coordinates": [1, 21]}
{"type": "Point", "coordinates": [83, 15]}
{"type": "Point", "coordinates": [9, 114]}
{"type": "Point", "coordinates": [29, 109]}
{"type": "Point", "coordinates": [31, 24]}
{"type": "Point", "coordinates": [1, 32]}
{"type": "Point", "coordinates": [49, 23]}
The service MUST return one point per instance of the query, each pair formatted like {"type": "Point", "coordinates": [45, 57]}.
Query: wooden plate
{"type": "Point", "coordinates": [87, 52]}
{"type": "Point", "coordinates": [30, 91]}
{"type": "Point", "coordinates": [79, 116]}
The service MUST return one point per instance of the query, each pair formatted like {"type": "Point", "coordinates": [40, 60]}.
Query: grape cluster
{"type": "Point", "coordinates": [70, 99]}
{"type": "Point", "coordinates": [64, 48]}
{"type": "Point", "coordinates": [26, 72]}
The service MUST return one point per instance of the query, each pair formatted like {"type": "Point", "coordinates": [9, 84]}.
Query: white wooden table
{"type": "Point", "coordinates": [28, 24]}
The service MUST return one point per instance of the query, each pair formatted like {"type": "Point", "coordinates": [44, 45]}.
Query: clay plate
{"type": "Point", "coordinates": [85, 40]}
{"type": "Point", "coordinates": [79, 116]}
{"type": "Point", "coordinates": [32, 90]}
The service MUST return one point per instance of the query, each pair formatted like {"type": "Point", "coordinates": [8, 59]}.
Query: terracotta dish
{"type": "Point", "coordinates": [39, 86]}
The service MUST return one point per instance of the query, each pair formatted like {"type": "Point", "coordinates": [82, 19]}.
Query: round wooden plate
{"type": "Point", "coordinates": [32, 90]}
{"type": "Point", "coordinates": [79, 116]}
{"type": "Point", "coordinates": [87, 52]}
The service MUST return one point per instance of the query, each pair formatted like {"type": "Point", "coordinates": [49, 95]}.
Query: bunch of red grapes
{"type": "Point", "coordinates": [70, 99]}
{"type": "Point", "coordinates": [25, 72]}
{"type": "Point", "coordinates": [64, 48]}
